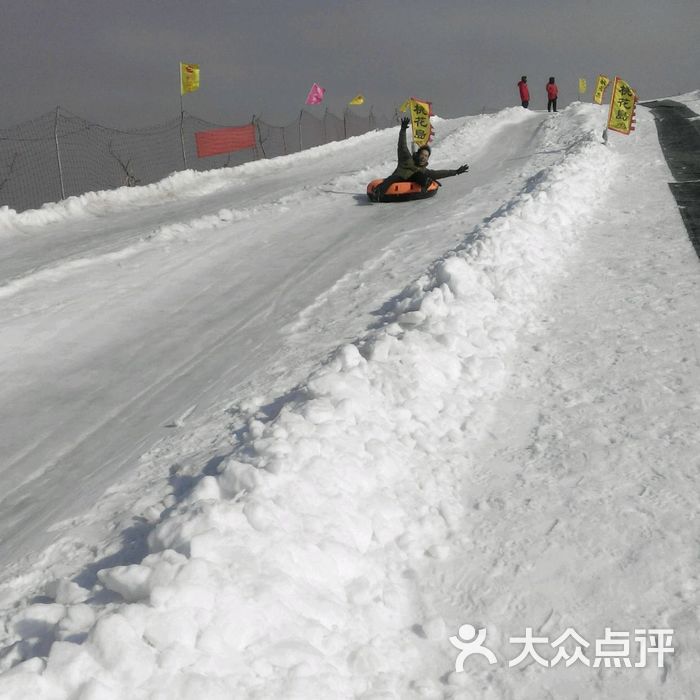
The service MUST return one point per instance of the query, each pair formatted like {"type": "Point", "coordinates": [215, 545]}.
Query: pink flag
{"type": "Point", "coordinates": [315, 95]}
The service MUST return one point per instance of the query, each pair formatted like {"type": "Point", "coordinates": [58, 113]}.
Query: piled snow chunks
{"type": "Point", "coordinates": [187, 183]}
{"type": "Point", "coordinates": [291, 572]}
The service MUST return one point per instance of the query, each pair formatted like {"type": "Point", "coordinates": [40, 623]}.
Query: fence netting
{"type": "Point", "coordinates": [59, 154]}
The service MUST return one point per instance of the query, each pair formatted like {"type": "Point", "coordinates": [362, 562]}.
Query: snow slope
{"type": "Point", "coordinates": [386, 422]}
{"type": "Point", "coordinates": [204, 270]}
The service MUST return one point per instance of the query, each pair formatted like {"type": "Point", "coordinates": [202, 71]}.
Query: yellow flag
{"type": "Point", "coordinates": [582, 86]}
{"type": "Point", "coordinates": [602, 82]}
{"type": "Point", "coordinates": [359, 100]}
{"type": "Point", "coordinates": [404, 106]}
{"type": "Point", "coordinates": [421, 111]}
{"type": "Point", "coordinates": [622, 105]}
{"type": "Point", "coordinates": [189, 77]}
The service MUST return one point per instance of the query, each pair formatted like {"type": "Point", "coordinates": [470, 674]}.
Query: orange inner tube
{"type": "Point", "coordinates": [401, 188]}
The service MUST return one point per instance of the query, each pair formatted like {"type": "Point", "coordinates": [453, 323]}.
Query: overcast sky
{"type": "Point", "coordinates": [117, 62]}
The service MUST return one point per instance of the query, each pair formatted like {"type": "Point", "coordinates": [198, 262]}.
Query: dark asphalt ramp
{"type": "Point", "coordinates": [679, 136]}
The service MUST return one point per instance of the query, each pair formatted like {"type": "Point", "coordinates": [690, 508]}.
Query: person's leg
{"type": "Point", "coordinates": [380, 190]}
{"type": "Point", "coordinates": [554, 104]}
{"type": "Point", "coordinates": [422, 179]}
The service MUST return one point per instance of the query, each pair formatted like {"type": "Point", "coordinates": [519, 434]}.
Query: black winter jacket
{"type": "Point", "coordinates": [407, 166]}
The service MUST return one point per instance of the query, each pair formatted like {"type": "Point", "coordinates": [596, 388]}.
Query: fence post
{"type": "Point", "coordinates": [345, 123]}
{"type": "Point", "coordinates": [58, 153]}
{"type": "Point", "coordinates": [284, 142]}
{"type": "Point", "coordinates": [256, 121]}
{"type": "Point", "coordinates": [182, 130]}
{"type": "Point", "coordinates": [301, 147]}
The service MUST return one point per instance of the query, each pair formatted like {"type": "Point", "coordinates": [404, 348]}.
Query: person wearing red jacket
{"type": "Point", "coordinates": [524, 91]}
{"type": "Point", "coordinates": [552, 94]}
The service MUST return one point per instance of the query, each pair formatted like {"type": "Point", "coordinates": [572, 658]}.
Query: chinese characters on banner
{"type": "Point", "coordinates": [421, 111]}
{"type": "Point", "coordinates": [602, 82]}
{"type": "Point", "coordinates": [622, 105]}
{"type": "Point", "coordinates": [582, 86]}
{"type": "Point", "coordinates": [189, 77]}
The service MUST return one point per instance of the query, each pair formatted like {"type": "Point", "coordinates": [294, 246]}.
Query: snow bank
{"type": "Point", "coordinates": [290, 572]}
{"type": "Point", "coordinates": [186, 184]}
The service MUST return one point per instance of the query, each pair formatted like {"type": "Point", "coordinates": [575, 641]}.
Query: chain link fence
{"type": "Point", "coordinates": [59, 154]}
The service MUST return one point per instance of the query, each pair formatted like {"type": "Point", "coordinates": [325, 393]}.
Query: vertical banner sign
{"type": "Point", "coordinates": [189, 77]}
{"type": "Point", "coordinates": [622, 105]}
{"type": "Point", "coordinates": [582, 86]}
{"type": "Point", "coordinates": [602, 82]}
{"type": "Point", "coordinates": [421, 111]}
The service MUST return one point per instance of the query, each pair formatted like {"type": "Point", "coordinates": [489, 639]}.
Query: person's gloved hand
{"type": "Point", "coordinates": [405, 122]}
{"type": "Point", "coordinates": [462, 169]}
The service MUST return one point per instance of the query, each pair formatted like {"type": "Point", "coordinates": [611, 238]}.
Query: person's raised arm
{"type": "Point", "coordinates": [403, 152]}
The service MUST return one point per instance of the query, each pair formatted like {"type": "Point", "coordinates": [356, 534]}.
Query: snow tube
{"type": "Point", "coordinates": [402, 191]}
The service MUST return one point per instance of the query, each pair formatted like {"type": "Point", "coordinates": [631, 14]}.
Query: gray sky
{"type": "Point", "coordinates": [117, 62]}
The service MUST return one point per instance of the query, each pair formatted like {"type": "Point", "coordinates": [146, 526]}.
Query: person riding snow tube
{"type": "Point", "coordinates": [411, 169]}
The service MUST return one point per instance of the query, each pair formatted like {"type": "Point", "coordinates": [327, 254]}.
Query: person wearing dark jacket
{"type": "Point", "coordinates": [413, 167]}
{"type": "Point", "coordinates": [524, 92]}
{"type": "Point", "coordinates": [552, 94]}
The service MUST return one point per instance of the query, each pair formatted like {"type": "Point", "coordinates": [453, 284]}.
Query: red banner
{"type": "Point", "coordinates": [226, 140]}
